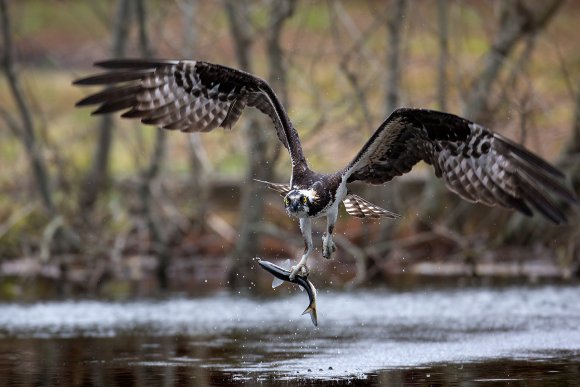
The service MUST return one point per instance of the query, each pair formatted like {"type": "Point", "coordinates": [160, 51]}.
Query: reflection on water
{"type": "Point", "coordinates": [179, 361]}
{"type": "Point", "coordinates": [373, 337]}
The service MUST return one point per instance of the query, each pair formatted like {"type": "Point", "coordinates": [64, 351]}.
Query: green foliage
{"type": "Point", "coordinates": [24, 234]}
{"type": "Point", "coordinates": [37, 17]}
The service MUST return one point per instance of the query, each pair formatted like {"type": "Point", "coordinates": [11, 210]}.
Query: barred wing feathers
{"type": "Point", "coordinates": [360, 208]}
{"type": "Point", "coordinates": [282, 189]}
{"type": "Point", "coordinates": [474, 162]}
{"type": "Point", "coordinates": [191, 96]}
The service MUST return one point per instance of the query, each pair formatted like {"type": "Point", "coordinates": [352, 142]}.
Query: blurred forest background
{"type": "Point", "coordinates": [100, 205]}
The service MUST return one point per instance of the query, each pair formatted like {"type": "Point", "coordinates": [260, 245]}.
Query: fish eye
{"type": "Point", "coordinates": [304, 199]}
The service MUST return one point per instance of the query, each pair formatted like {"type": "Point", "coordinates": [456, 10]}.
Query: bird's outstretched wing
{"type": "Point", "coordinates": [476, 163]}
{"type": "Point", "coordinates": [191, 96]}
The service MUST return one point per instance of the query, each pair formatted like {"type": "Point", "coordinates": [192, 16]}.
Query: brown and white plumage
{"type": "Point", "coordinates": [477, 164]}
{"type": "Point", "coordinates": [361, 208]}
{"type": "Point", "coordinates": [190, 96]}
{"type": "Point", "coordinates": [474, 162]}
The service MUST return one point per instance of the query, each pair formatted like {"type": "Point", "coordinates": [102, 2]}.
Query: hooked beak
{"type": "Point", "coordinates": [293, 207]}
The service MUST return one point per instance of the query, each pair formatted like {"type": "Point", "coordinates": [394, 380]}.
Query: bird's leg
{"type": "Point", "coordinates": [306, 228]}
{"type": "Point", "coordinates": [328, 246]}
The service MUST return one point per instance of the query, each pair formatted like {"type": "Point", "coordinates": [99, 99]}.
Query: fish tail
{"type": "Point", "coordinates": [312, 311]}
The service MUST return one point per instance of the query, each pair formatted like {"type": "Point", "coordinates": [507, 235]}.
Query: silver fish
{"type": "Point", "coordinates": [300, 280]}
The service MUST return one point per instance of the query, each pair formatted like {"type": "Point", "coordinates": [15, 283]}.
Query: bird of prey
{"type": "Point", "coordinates": [474, 162]}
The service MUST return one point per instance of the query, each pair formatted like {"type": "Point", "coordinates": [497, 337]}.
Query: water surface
{"type": "Point", "coordinates": [374, 337]}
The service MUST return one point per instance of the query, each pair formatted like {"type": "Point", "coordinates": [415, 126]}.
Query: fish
{"type": "Point", "coordinates": [300, 280]}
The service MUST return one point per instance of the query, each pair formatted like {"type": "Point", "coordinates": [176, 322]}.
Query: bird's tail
{"type": "Point", "coordinates": [359, 207]}
{"type": "Point", "coordinates": [282, 189]}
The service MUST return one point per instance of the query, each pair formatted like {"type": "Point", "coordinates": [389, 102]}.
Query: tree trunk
{"type": "Point", "coordinates": [395, 25]}
{"type": "Point", "coordinates": [443, 21]}
{"type": "Point", "coordinates": [151, 173]}
{"type": "Point", "coordinates": [434, 188]}
{"type": "Point", "coordinates": [251, 203]}
{"type": "Point", "coordinates": [570, 163]}
{"type": "Point", "coordinates": [386, 193]}
{"type": "Point", "coordinates": [280, 11]}
{"type": "Point", "coordinates": [395, 29]}
{"type": "Point", "coordinates": [26, 126]}
{"type": "Point", "coordinates": [569, 160]}
{"type": "Point", "coordinates": [573, 147]}
{"type": "Point", "coordinates": [200, 167]}
{"type": "Point", "coordinates": [260, 157]}
{"type": "Point", "coordinates": [98, 176]}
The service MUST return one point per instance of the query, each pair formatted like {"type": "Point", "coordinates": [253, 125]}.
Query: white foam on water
{"type": "Point", "coordinates": [359, 332]}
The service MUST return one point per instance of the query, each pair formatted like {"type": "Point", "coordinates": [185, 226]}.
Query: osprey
{"type": "Point", "coordinates": [474, 162]}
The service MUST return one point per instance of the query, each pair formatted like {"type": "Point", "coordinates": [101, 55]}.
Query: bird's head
{"type": "Point", "coordinates": [299, 201]}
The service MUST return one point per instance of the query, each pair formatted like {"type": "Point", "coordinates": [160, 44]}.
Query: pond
{"type": "Point", "coordinates": [475, 336]}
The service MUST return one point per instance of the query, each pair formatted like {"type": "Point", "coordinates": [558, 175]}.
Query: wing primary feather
{"type": "Point", "coordinates": [113, 77]}
{"type": "Point", "coordinates": [159, 120]}
{"type": "Point", "coordinates": [109, 95]}
{"type": "Point", "coordinates": [134, 63]}
{"type": "Point", "coordinates": [134, 113]}
{"type": "Point", "coordinates": [547, 180]}
{"type": "Point", "coordinates": [540, 201]}
{"type": "Point", "coordinates": [518, 204]}
{"type": "Point", "coordinates": [528, 156]}
{"type": "Point", "coordinates": [115, 106]}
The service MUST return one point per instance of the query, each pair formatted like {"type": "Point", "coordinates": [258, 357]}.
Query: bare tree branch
{"type": "Point", "coordinates": [344, 62]}
{"type": "Point", "coordinates": [251, 204]}
{"type": "Point", "coordinates": [10, 122]}
{"type": "Point", "coordinates": [260, 159]}
{"type": "Point", "coordinates": [153, 169]}
{"type": "Point", "coordinates": [443, 21]}
{"type": "Point", "coordinates": [517, 70]}
{"type": "Point", "coordinates": [517, 19]}
{"type": "Point", "coordinates": [240, 31]}
{"type": "Point", "coordinates": [98, 175]}
{"type": "Point", "coordinates": [573, 147]}
{"type": "Point", "coordinates": [199, 162]}
{"type": "Point", "coordinates": [395, 23]}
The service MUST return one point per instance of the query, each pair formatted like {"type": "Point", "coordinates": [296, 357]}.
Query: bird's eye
{"type": "Point", "coordinates": [286, 201]}
{"type": "Point", "coordinates": [304, 200]}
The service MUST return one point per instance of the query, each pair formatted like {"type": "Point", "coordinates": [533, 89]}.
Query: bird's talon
{"type": "Point", "coordinates": [328, 248]}
{"type": "Point", "coordinates": [298, 269]}
{"type": "Point", "coordinates": [293, 271]}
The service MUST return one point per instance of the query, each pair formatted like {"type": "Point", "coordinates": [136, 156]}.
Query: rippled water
{"type": "Point", "coordinates": [373, 337]}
